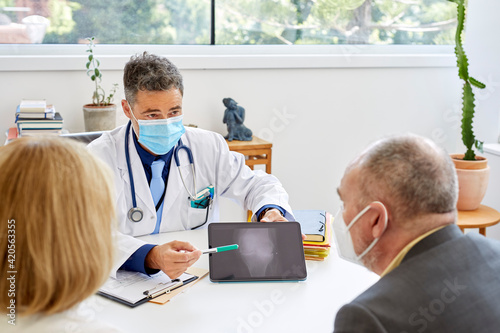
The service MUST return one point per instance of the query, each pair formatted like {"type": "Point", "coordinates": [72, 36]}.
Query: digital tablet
{"type": "Point", "coordinates": [266, 252]}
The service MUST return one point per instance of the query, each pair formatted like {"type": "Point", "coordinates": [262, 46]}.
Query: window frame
{"type": "Point", "coordinates": [64, 57]}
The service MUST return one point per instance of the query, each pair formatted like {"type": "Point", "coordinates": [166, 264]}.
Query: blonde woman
{"type": "Point", "coordinates": [56, 215]}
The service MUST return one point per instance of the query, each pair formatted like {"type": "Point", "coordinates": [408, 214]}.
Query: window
{"type": "Point", "coordinates": [236, 22]}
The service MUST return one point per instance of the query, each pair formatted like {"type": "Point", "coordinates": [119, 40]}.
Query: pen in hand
{"type": "Point", "coordinates": [221, 249]}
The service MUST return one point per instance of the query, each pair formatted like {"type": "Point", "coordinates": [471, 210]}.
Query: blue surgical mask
{"type": "Point", "coordinates": [160, 135]}
{"type": "Point", "coordinates": [343, 239]}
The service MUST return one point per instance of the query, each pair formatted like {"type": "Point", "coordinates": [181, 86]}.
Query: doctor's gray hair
{"type": "Point", "coordinates": [151, 73]}
{"type": "Point", "coordinates": [410, 174]}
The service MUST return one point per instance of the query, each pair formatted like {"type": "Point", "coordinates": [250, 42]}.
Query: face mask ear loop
{"type": "Point", "coordinates": [386, 215]}
{"type": "Point", "coordinates": [356, 218]}
{"type": "Point", "coordinates": [132, 112]}
{"type": "Point", "coordinates": [377, 239]}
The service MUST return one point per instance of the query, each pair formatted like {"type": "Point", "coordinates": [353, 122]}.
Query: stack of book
{"type": "Point", "coordinates": [316, 225]}
{"type": "Point", "coordinates": [35, 117]}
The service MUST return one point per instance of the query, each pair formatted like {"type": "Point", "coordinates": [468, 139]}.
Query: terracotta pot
{"type": "Point", "coordinates": [99, 118]}
{"type": "Point", "coordinates": [473, 179]}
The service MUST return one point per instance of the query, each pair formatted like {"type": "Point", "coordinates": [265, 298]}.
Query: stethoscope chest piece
{"type": "Point", "coordinates": [135, 214]}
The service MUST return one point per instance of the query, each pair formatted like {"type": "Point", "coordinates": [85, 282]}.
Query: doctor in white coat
{"type": "Point", "coordinates": [153, 92]}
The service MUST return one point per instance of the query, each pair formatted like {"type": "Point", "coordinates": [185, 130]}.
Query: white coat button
{"type": "Point", "coordinates": [152, 217]}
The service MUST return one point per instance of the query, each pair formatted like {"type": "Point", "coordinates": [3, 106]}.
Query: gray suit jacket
{"type": "Point", "coordinates": [447, 282]}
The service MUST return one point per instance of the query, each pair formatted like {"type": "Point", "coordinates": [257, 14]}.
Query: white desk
{"type": "Point", "coordinates": [308, 306]}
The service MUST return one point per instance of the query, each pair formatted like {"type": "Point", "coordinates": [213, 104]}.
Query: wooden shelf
{"type": "Point", "coordinates": [256, 152]}
{"type": "Point", "coordinates": [481, 218]}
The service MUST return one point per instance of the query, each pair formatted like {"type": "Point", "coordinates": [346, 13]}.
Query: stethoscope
{"type": "Point", "coordinates": [136, 214]}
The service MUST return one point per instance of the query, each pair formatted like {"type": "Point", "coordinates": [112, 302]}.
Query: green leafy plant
{"type": "Point", "coordinates": [99, 96]}
{"type": "Point", "coordinates": [468, 137]}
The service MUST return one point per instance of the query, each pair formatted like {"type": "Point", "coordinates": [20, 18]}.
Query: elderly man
{"type": "Point", "coordinates": [399, 200]}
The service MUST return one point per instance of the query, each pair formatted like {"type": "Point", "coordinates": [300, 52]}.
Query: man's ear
{"type": "Point", "coordinates": [382, 218]}
{"type": "Point", "coordinates": [126, 108]}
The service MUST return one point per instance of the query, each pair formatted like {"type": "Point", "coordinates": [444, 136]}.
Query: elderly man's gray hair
{"type": "Point", "coordinates": [410, 174]}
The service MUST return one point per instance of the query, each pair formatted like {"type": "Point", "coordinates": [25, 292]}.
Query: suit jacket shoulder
{"type": "Point", "coordinates": [448, 282]}
{"type": "Point", "coordinates": [355, 317]}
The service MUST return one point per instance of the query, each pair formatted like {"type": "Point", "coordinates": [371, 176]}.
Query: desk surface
{"type": "Point", "coordinates": [308, 306]}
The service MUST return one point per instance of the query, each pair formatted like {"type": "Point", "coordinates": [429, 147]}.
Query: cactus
{"type": "Point", "coordinates": [468, 137]}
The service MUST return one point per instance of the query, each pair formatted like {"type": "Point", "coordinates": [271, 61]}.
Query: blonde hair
{"type": "Point", "coordinates": [60, 199]}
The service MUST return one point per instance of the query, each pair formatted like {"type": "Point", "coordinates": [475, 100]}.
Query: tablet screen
{"type": "Point", "coordinates": [266, 252]}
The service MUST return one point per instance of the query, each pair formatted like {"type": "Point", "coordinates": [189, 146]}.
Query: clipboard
{"type": "Point", "coordinates": [134, 288]}
{"type": "Point", "coordinates": [199, 273]}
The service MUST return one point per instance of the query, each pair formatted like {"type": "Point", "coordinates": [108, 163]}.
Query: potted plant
{"type": "Point", "coordinates": [100, 115]}
{"type": "Point", "coordinates": [473, 171]}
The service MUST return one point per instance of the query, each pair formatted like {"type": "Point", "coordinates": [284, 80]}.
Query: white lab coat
{"type": "Point", "coordinates": [214, 165]}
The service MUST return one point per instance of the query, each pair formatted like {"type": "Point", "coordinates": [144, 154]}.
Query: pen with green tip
{"type": "Point", "coordinates": [221, 249]}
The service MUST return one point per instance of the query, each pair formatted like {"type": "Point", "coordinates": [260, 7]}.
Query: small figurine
{"type": "Point", "coordinates": [234, 117]}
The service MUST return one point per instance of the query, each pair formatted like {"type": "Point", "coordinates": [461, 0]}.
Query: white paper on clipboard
{"type": "Point", "coordinates": [131, 286]}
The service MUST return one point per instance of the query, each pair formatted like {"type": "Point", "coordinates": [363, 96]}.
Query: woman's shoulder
{"type": "Point", "coordinates": [77, 319]}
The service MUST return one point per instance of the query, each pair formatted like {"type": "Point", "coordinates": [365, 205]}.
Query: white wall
{"type": "Point", "coordinates": [484, 55]}
{"type": "Point", "coordinates": [317, 119]}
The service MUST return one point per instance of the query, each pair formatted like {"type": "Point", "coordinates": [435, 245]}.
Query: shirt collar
{"type": "Point", "coordinates": [400, 256]}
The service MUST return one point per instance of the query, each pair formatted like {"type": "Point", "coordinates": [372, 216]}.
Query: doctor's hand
{"type": "Point", "coordinates": [274, 215]}
{"type": "Point", "coordinates": [172, 258]}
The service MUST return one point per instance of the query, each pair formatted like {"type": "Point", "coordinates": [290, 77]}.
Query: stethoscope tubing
{"type": "Point", "coordinates": [127, 157]}
{"type": "Point", "coordinates": [180, 146]}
